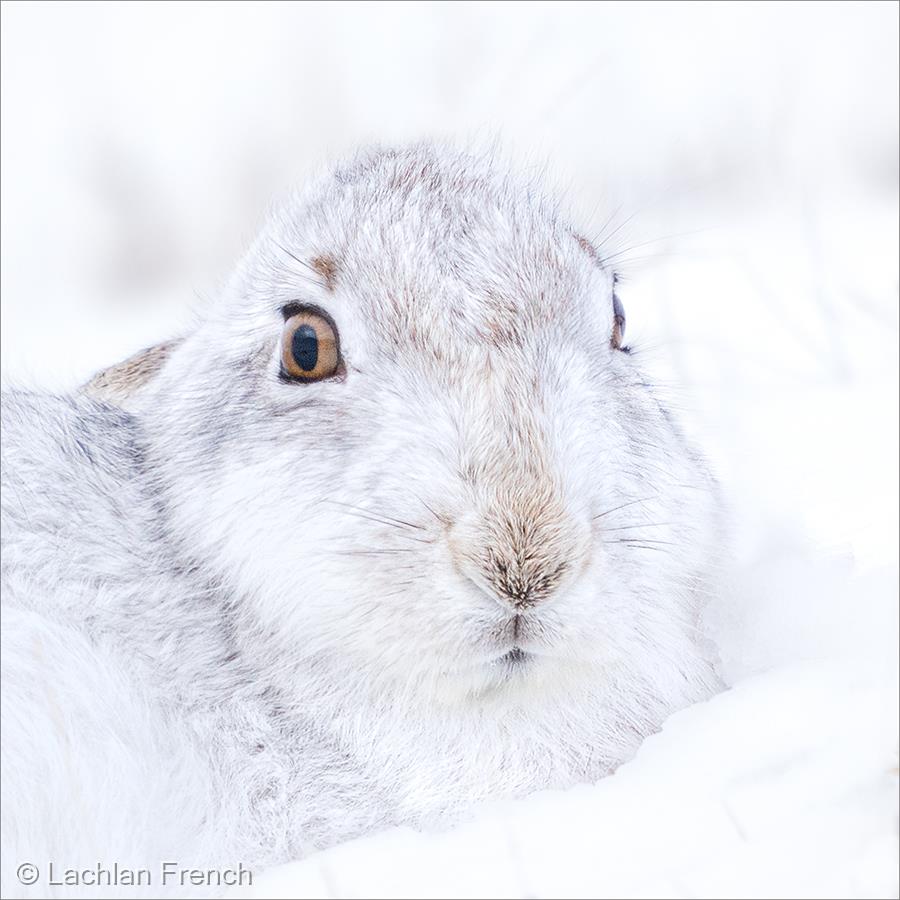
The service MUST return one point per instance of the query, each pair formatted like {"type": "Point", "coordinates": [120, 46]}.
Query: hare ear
{"type": "Point", "coordinates": [122, 382]}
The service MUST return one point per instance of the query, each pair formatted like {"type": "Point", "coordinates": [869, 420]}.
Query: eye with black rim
{"type": "Point", "coordinates": [309, 346]}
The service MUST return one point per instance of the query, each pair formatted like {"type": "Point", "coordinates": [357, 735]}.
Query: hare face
{"type": "Point", "coordinates": [409, 440]}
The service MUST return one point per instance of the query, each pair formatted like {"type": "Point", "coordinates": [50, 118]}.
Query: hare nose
{"type": "Point", "coordinates": [520, 569]}
{"type": "Point", "coordinates": [520, 586]}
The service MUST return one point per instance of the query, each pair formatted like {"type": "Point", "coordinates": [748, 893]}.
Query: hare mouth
{"type": "Point", "coordinates": [516, 644]}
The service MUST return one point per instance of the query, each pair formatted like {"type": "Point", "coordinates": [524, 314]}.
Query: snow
{"type": "Point", "coordinates": [744, 158]}
{"type": "Point", "coordinates": [762, 792]}
{"type": "Point", "coordinates": [785, 785]}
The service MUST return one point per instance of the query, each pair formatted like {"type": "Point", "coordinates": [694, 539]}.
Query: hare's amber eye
{"type": "Point", "coordinates": [309, 347]}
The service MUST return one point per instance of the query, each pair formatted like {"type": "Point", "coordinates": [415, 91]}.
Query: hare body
{"type": "Point", "coordinates": [246, 617]}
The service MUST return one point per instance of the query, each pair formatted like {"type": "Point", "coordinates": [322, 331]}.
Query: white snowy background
{"type": "Point", "coordinates": [743, 162]}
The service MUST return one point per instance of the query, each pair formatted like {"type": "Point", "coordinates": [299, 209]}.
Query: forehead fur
{"type": "Point", "coordinates": [436, 247]}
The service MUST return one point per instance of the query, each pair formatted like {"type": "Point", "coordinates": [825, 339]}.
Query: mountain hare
{"type": "Point", "coordinates": [398, 528]}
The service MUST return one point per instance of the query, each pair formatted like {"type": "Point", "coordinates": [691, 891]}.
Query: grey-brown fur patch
{"type": "Point", "coordinates": [588, 248]}
{"type": "Point", "coordinates": [119, 382]}
{"type": "Point", "coordinates": [327, 267]}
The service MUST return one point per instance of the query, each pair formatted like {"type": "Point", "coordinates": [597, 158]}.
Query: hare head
{"type": "Point", "coordinates": [408, 439]}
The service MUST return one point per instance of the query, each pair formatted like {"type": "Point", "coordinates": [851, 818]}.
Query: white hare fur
{"type": "Point", "coordinates": [245, 618]}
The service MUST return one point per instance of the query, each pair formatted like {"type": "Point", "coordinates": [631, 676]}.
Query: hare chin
{"type": "Point", "coordinates": [514, 678]}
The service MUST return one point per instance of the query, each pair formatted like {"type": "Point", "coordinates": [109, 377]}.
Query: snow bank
{"type": "Point", "coordinates": [785, 786]}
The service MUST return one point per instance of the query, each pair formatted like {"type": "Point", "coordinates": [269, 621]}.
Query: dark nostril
{"type": "Point", "coordinates": [521, 598]}
{"type": "Point", "coordinates": [522, 586]}
{"type": "Point", "coordinates": [499, 588]}
{"type": "Point", "coordinates": [519, 565]}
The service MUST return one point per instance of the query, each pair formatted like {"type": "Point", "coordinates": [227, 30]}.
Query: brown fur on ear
{"type": "Point", "coordinates": [120, 382]}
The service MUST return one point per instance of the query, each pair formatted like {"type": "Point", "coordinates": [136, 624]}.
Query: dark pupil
{"type": "Point", "coordinates": [305, 347]}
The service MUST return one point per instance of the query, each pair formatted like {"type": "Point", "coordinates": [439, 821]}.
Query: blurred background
{"type": "Point", "coordinates": [739, 160]}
